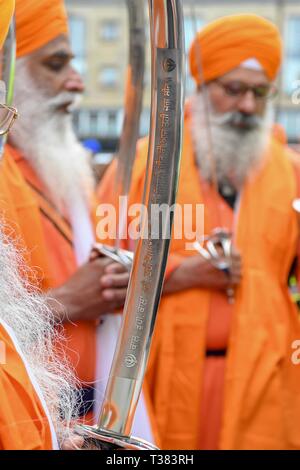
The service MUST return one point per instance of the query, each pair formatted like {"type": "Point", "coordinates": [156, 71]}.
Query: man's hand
{"type": "Point", "coordinates": [98, 287]}
{"type": "Point", "coordinates": [73, 443]}
{"type": "Point", "coordinates": [77, 443]}
{"type": "Point", "coordinates": [196, 271]}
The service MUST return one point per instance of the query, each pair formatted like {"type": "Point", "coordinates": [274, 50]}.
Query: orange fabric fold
{"type": "Point", "coordinates": [23, 421]}
{"type": "Point", "coordinates": [6, 12]}
{"type": "Point", "coordinates": [227, 42]}
{"type": "Point", "coordinates": [39, 22]}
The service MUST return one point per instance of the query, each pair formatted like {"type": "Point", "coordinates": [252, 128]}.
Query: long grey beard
{"type": "Point", "coordinates": [47, 140]}
{"type": "Point", "coordinates": [33, 323]}
{"type": "Point", "coordinates": [235, 154]}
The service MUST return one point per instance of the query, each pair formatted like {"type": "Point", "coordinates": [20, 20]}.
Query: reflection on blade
{"type": "Point", "coordinates": [119, 255]}
{"type": "Point", "coordinates": [8, 71]}
{"type": "Point", "coordinates": [133, 102]}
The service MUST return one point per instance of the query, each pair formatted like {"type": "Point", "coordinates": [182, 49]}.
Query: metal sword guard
{"type": "Point", "coordinates": [100, 439]}
{"type": "Point", "coordinates": [217, 249]}
{"type": "Point", "coordinates": [123, 257]}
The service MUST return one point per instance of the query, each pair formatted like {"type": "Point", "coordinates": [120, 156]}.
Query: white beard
{"type": "Point", "coordinates": [33, 324]}
{"type": "Point", "coordinates": [236, 154]}
{"type": "Point", "coordinates": [46, 138]}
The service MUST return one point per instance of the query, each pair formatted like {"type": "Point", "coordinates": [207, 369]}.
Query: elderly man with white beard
{"type": "Point", "coordinates": [52, 188]}
{"type": "Point", "coordinates": [220, 374]}
{"type": "Point", "coordinates": [37, 390]}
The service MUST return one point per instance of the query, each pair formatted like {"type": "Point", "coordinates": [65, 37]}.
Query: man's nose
{"type": "Point", "coordinates": [247, 104]}
{"type": "Point", "coordinates": [74, 82]}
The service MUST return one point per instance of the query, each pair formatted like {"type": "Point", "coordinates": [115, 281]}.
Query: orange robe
{"type": "Point", "coordinates": [47, 237]}
{"type": "Point", "coordinates": [17, 206]}
{"type": "Point", "coordinates": [24, 421]}
{"type": "Point", "coordinates": [250, 400]}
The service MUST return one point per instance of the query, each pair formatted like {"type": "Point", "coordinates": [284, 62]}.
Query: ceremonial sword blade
{"type": "Point", "coordinates": [149, 264]}
{"type": "Point", "coordinates": [146, 281]}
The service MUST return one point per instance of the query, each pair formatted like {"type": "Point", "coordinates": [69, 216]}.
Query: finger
{"type": "Point", "coordinates": [236, 266]}
{"type": "Point", "coordinates": [102, 262]}
{"type": "Point", "coordinates": [73, 443]}
{"type": "Point", "coordinates": [116, 280]}
{"type": "Point", "coordinates": [115, 268]}
{"type": "Point", "coordinates": [235, 280]}
{"type": "Point", "coordinates": [115, 296]}
{"type": "Point", "coordinates": [236, 256]}
{"type": "Point", "coordinates": [235, 250]}
{"type": "Point", "coordinates": [235, 271]}
{"type": "Point", "coordinates": [93, 255]}
{"type": "Point", "coordinates": [96, 253]}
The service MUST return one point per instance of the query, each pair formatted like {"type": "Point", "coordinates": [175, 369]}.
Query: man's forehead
{"type": "Point", "coordinates": [60, 43]}
{"type": "Point", "coordinates": [247, 75]}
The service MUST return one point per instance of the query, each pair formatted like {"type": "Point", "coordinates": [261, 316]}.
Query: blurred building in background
{"type": "Point", "coordinates": [99, 35]}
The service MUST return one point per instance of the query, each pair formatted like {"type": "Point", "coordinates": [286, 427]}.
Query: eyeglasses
{"type": "Point", "coordinates": [237, 89]}
{"type": "Point", "coordinates": [8, 115]}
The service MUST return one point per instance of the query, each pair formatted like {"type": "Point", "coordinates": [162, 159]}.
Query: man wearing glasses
{"type": "Point", "coordinates": [221, 374]}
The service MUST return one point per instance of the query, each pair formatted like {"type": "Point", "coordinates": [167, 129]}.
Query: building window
{"type": "Point", "coordinates": [291, 70]}
{"type": "Point", "coordinates": [112, 122]}
{"type": "Point", "coordinates": [82, 123]}
{"type": "Point", "coordinates": [290, 120]}
{"type": "Point", "coordinates": [98, 123]}
{"type": "Point", "coordinates": [110, 30]}
{"type": "Point", "coordinates": [94, 123]}
{"type": "Point", "coordinates": [109, 77]}
{"type": "Point", "coordinates": [78, 42]}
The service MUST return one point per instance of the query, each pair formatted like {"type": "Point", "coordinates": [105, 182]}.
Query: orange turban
{"type": "Point", "coordinates": [229, 41]}
{"type": "Point", "coordinates": [39, 22]}
{"type": "Point", "coordinates": [6, 12]}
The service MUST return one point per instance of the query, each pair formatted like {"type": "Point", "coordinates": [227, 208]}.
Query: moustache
{"type": "Point", "coordinates": [66, 98]}
{"type": "Point", "coordinates": [239, 121]}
